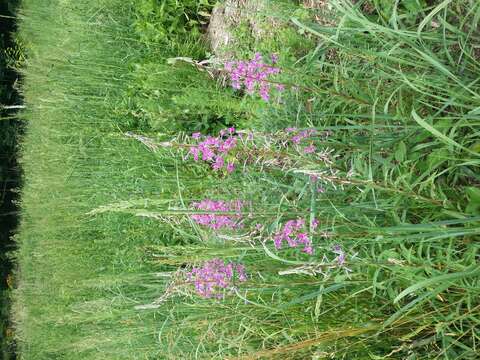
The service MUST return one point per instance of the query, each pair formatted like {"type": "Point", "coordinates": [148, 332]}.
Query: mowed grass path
{"type": "Point", "coordinates": [101, 236]}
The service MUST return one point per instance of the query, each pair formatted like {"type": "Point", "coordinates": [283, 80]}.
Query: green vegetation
{"type": "Point", "coordinates": [9, 174]}
{"type": "Point", "coordinates": [171, 21]}
{"type": "Point", "coordinates": [107, 237]}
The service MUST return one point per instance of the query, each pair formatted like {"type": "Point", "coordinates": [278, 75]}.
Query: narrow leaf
{"type": "Point", "coordinates": [435, 280]}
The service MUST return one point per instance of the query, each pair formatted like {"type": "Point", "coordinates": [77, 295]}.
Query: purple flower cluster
{"type": "Point", "coordinates": [298, 136]}
{"type": "Point", "coordinates": [294, 232]}
{"type": "Point", "coordinates": [340, 259]}
{"type": "Point", "coordinates": [215, 149]}
{"type": "Point", "coordinates": [217, 221]}
{"type": "Point", "coordinates": [253, 74]}
{"type": "Point", "coordinates": [314, 179]}
{"type": "Point", "coordinates": [214, 276]}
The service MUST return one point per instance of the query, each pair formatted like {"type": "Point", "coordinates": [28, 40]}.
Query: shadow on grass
{"type": "Point", "coordinates": [9, 174]}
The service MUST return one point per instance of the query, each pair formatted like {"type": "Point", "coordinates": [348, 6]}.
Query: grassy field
{"type": "Point", "coordinates": [373, 187]}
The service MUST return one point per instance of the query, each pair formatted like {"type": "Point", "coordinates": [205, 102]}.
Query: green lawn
{"type": "Point", "coordinates": [107, 236]}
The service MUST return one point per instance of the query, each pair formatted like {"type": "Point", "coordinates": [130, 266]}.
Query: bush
{"type": "Point", "coordinates": [165, 20]}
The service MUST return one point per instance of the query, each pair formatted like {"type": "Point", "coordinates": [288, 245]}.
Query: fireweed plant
{"type": "Point", "coordinates": [294, 233]}
{"type": "Point", "coordinates": [218, 151]}
{"type": "Point", "coordinates": [254, 75]}
{"type": "Point", "coordinates": [286, 149]}
{"type": "Point", "coordinates": [215, 276]}
{"type": "Point", "coordinates": [300, 137]}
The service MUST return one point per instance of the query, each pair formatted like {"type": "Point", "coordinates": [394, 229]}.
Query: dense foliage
{"type": "Point", "coordinates": [314, 196]}
{"type": "Point", "coordinates": [171, 21]}
{"type": "Point", "coordinates": [9, 176]}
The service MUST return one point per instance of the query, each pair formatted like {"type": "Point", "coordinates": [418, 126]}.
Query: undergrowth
{"type": "Point", "coordinates": [134, 245]}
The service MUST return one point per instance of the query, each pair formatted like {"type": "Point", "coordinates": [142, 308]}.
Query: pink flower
{"type": "Point", "coordinates": [207, 153]}
{"type": "Point", "coordinates": [215, 217]}
{"type": "Point", "coordinates": [195, 152]}
{"type": "Point", "coordinates": [230, 167]}
{"type": "Point", "coordinates": [215, 149]}
{"type": "Point", "coordinates": [218, 164]}
{"type": "Point", "coordinates": [301, 135]}
{"type": "Point", "coordinates": [277, 241]}
{"type": "Point", "coordinates": [293, 232]}
{"type": "Point", "coordinates": [236, 84]}
{"type": "Point", "coordinates": [213, 276]}
{"type": "Point", "coordinates": [228, 144]}
{"type": "Point", "coordinates": [253, 75]}
{"type": "Point", "coordinates": [337, 249]}
{"type": "Point", "coordinates": [309, 149]}
{"type": "Point", "coordinates": [196, 135]}
{"type": "Point", "coordinates": [308, 250]}
{"type": "Point", "coordinates": [241, 272]}
{"type": "Point", "coordinates": [264, 92]}
{"type": "Point", "coordinates": [303, 238]}
{"type": "Point", "coordinates": [296, 139]}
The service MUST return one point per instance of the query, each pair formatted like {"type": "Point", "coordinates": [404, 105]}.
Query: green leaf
{"type": "Point", "coordinates": [401, 152]}
{"type": "Point", "coordinates": [438, 134]}
{"type": "Point", "coordinates": [386, 6]}
{"type": "Point", "coordinates": [414, 302]}
{"type": "Point", "coordinates": [413, 5]}
{"type": "Point", "coordinates": [313, 295]}
{"type": "Point", "coordinates": [432, 14]}
{"type": "Point", "coordinates": [275, 257]}
{"type": "Point", "coordinates": [437, 157]}
{"type": "Point", "coordinates": [475, 147]}
{"type": "Point", "coordinates": [473, 195]}
{"type": "Point", "coordinates": [442, 278]}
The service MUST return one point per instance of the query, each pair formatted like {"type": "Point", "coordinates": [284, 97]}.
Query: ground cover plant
{"type": "Point", "coordinates": [313, 193]}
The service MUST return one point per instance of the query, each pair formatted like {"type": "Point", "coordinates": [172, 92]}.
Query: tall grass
{"type": "Point", "coordinates": [106, 237]}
